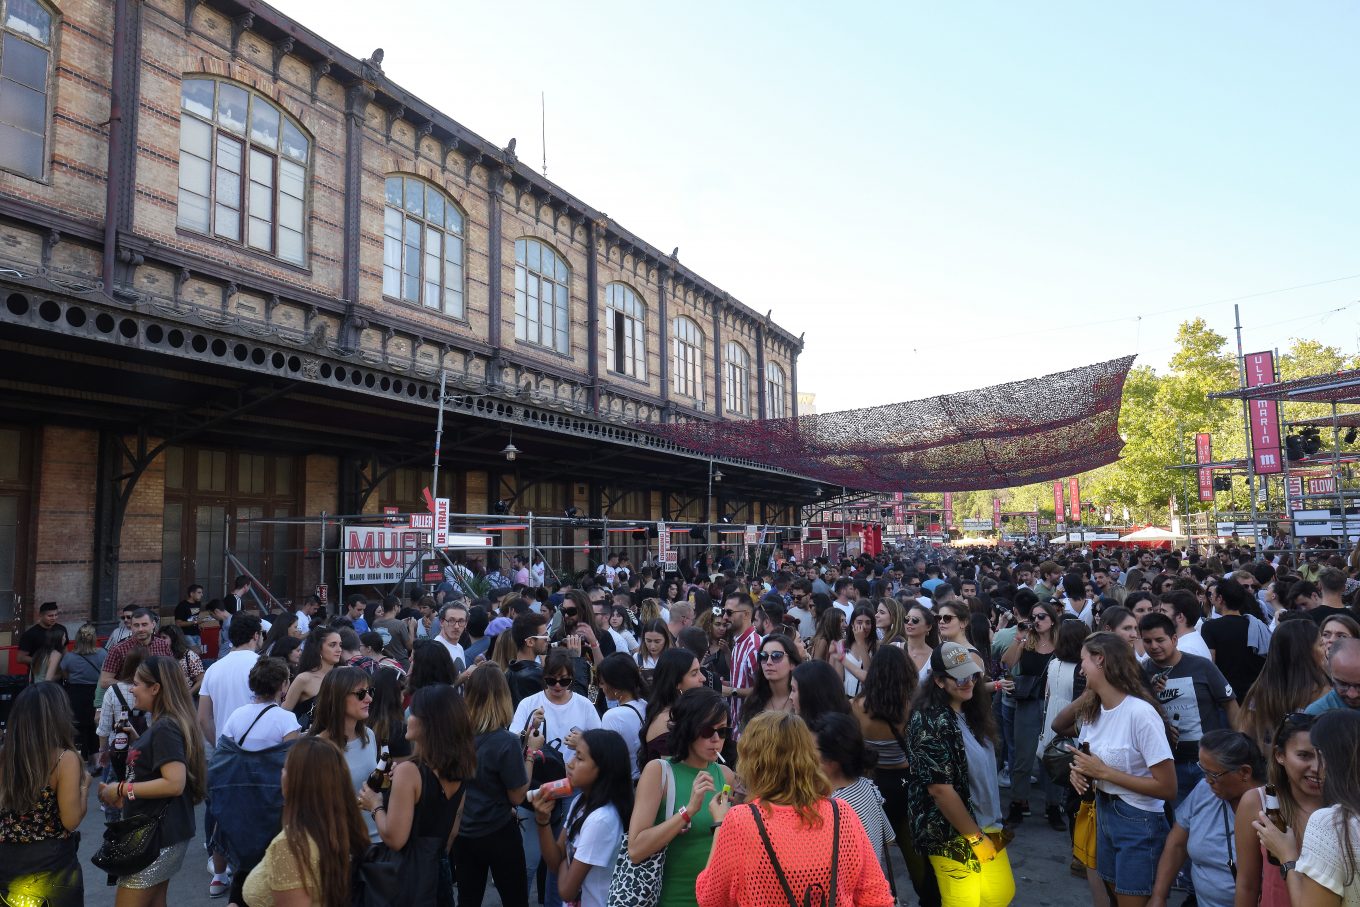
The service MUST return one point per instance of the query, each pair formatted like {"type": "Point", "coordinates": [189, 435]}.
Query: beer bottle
{"type": "Point", "coordinates": [1275, 816]}
{"type": "Point", "coordinates": [380, 779]}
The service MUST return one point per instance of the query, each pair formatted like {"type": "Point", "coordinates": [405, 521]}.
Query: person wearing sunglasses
{"type": "Point", "coordinates": [922, 636]}
{"type": "Point", "coordinates": [1297, 774]}
{"type": "Point", "coordinates": [341, 716]}
{"type": "Point", "coordinates": [773, 688]}
{"type": "Point", "coordinates": [740, 613]}
{"type": "Point", "coordinates": [673, 794]}
{"type": "Point", "coordinates": [1232, 766]}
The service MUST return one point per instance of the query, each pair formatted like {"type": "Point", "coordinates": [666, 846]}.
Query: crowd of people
{"type": "Point", "coordinates": [1189, 719]}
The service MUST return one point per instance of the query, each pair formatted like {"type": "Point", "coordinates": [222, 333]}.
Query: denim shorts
{"type": "Point", "coordinates": [1128, 844]}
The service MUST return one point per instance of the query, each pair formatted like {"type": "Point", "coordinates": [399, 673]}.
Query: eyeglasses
{"type": "Point", "coordinates": [363, 694]}
{"type": "Point", "coordinates": [1342, 686]}
{"type": "Point", "coordinates": [557, 681]}
{"type": "Point", "coordinates": [729, 612]}
{"type": "Point", "coordinates": [709, 730]}
{"type": "Point", "coordinates": [540, 636]}
{"type": "Point", "coordinates": [1212, 777]}
{"type": "Point", "coordinates": [569, 612]}
{"type": "Point", "coordinates": [947, 618]}
{"type": "Point", "coordinates": [775, 656]}
{"type": "Point", "coordinates": [1293, 721]}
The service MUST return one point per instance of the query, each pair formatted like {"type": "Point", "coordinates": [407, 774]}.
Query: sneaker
{"type": "Point", "coordinates": [1077, 868]}
{"type": "Point", "coordinates": [1027, 810]}
{"type": "Point", "coordinates": [1003, 779]}
{"type": "Point", "coordinates": [1055, 818]}
{"type": "Point", "coordinates": [219, 885]}
{"type": "Point", "coordinates": [1017, 814]}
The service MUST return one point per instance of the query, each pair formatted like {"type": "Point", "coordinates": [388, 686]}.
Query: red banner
{"type": "Point", "coordinates": [1074, 498]}
{"type": "Point", "coordinates": [1265, 416]}
{"type": "Point", "coordinates": [996, 513]}
{"type": "Point", "coordinates": [948, 510]}
{"type": "Point", "coordinates": [1204, 453]}
{"type": "Point", "coordinates": [1059, 514]}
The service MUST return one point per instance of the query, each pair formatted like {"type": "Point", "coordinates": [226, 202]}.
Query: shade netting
{"type": "Point", "coordinates": [995, 437]}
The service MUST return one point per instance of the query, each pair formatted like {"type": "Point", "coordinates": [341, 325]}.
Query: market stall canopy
{"type": "Point", "coordinates": [1152, 534]}
{"type": "Point", "coordinates": [1004, 436]}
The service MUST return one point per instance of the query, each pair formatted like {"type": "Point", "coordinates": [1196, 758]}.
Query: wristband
{"type": "Point", "coordinates": [129, 793]}
{"type": "Point", "coordinates": [683, 813]}
{"type": "Point", "coordinates": [375, 809]}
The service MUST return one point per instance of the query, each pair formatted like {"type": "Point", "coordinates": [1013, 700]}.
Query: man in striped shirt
{"type": "Point", "coordinates": [737, 608]}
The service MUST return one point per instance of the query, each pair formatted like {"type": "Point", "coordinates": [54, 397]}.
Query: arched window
{"type": "Point", "coordinates": [687, 358]}
{"type": "Point", "coordinates": [542, 301]}
{"type": "Point", "coordinates": [736, 379]}
{"type": "Point", "coordinates": [626, 331]}
{"type": "Point", "coordinates": [27, 31]}
{"type": "Point", "coordinates": [422, 246]}
{"type": "Point", "coordinates": [242, 168]}
{"type": "Point", "coordinates": [775, 407]}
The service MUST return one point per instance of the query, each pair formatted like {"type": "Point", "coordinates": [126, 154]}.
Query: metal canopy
{"type": "Point", "coordinates": [1337, 387]}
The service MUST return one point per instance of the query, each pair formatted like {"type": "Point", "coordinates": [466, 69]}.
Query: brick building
{"type": "Point", "coordinates": [234, 261]}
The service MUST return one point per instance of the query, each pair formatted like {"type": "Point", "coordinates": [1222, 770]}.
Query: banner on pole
{"type": "Point", "coordinates": [948, 510]}
{"type": "Point", "coordinates": [1264, 415]}
{"type": "Point", "coordinates": [1204, 453]}
{"type": "Point", "coordinates": [996, 513]}
{"type": "Point", "coordinates": [441, 522]}
{"type": "Point", "coordinates": [1059, 515]}
{"type": "Point", "coordinates": [1074, 499]}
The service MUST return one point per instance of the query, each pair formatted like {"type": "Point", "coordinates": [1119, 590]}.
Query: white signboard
{"type": "Point", "coordinates": [441, 522]}
{"type": "Point", "coordinates": [751, 535]}
{"type": "Point", "coordinates": [379, 554]}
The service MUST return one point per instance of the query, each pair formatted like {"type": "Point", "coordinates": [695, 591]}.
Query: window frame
{"type": "Point", "coordinates": [51, 49]}
{"type": "Point", "coordinates": [530, 330]}
{"type": "Point", "coordinates": [631, 360]}
{"type": "Point", "coordinates": [776, 389]}
{"type": "Point", "coordinates": [736, 375]}
{"type": "Point", "coordinates": [687, 358]}
{"type": "Point", "coordinates": [281, 173]}
{"type": "Point", "coordinates": [407, 216]}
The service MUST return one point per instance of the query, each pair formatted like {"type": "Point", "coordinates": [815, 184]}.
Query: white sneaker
{"type": "Point", "coordinates": [219, 885]}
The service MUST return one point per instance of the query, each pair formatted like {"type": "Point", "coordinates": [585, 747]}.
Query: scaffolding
{"type": "Point", "coordinates": [401, 549]}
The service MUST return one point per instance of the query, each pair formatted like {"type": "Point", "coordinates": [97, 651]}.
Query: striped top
{"type": "Point", "coordinates": [865, 799]}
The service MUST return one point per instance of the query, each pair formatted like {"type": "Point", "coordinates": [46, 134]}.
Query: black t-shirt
{"type": "Point", "coordinates": [188, 611]}
{"type": "Point", "coordinates": [1226, 637]}
{"type": "Point", "coordinates": [500, 768]}
{"type": "Point", "coordinates": [1322, 612]}
{"type": "Point", "coordinates": [160, 745]}
{"type": "Point", "coordinates": [37, 637]}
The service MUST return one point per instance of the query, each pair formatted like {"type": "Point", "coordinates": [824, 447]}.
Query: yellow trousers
{"type": "Point", "coordinates": [994, 886]}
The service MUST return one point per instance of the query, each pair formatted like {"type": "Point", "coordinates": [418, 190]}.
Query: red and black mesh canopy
{"type": "Point", "coordinates": [996, 437]}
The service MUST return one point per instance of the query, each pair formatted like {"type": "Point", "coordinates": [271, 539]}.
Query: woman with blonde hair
{"type": "Point", "coordinates": [81, 668]}
{"type": "Point", "coordinates": [488, 837]}
{"type": "Point", "coordinates": [789, 811]}
{"type": "Point", "coordinates": [648, 611]}
{"type": "Point", "coordinates": [890, 619]}
{"type": "Point", "coordinates": [309, 861]}
{"type": "Point", "coordinates": [165, 765]}
{"type": "Point", "coordinates": [42, 802]}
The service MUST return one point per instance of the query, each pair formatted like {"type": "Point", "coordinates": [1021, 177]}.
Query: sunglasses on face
{"type": "Point", "coordinates": [557, 681]}
{"type": "Point", "coordinates": [569, 612]}
{"type": "Point", "coordinates": [363, 694]}
{"type": "Point", "coordinates": [914, 621]}
{"type": "Point", "coordinates": [708, 730]}
{"type": "Point", "coordinates": [775, 656]}
{"type": "Point", "coordinates": [947, 618]}
{"type": "Point", "coordinates": [728, 612]}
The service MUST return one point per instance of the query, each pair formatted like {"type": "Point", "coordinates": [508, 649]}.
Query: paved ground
{"type": "Point", "coordinates": [1039, 857]}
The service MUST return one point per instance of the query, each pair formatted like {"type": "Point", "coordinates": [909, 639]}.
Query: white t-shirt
{"type": "Point", "coordinates": [847, 609]}
{"type": "Point", "coordinates": [455, 650]}
{"type": "Point", "coordinates": [626, 721]}
{"type": "Point", "coordinates": [597, 843]}
{"type": "Point", "coordinates": [304, 623]}
{"type": "Point", "coordinates": [623, 641]}
{"type": "Point", "coordinates": [807, 627]}
{"type": "Point", "coordinates": [576, 712]}
{"type": "Point", "coordinates": [1129, 737]}
{"type": "Point", "coordinates": [270, 730]}
{"type": "Point", "coordinates": [1193, 644]}
{"type": "Point", "coordinates": [1323, 858]}
{"type": "Point", "coordinates": [227, 684]}
{"type": "Point", "coordinates": [536, 573]}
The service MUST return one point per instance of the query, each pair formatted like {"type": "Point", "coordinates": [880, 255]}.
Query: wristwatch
{"type": "Point", "coordinates": [1287, 867]}
{"type": "Point", "coordinates": [974, 839]}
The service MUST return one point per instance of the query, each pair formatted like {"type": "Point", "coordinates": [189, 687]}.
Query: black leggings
{"type": "Point", "coordinates": [892, 783]}
{"type": "Point", "coordinates": [501, 852]}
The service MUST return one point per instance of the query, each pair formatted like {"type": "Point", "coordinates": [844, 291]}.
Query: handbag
{"type": "Point", "coordinates": [407, 876]}
{"type": "Point", "coordinates": [1084, 834]}
{"type": "Point", "coordinates": [1057, 760]}
{"type": "Point", "coordinates": [639, 884]}
{"type": "Point", "coordinates": [823, 898]}
{"type": "Point", "coordinates": [130, 845]}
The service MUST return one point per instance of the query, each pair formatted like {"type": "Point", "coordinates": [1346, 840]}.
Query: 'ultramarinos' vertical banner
{"type": "Point", "coordinates": [948, 511]}
{"type": "Point", "coordinates": [1265, 416]}
{"type": "Point", "coordinates": [1204, 453]}
{"type": "Point", "coordinates": [1074, 498]}
{"type": "Point", "coordinates": [996, 513]}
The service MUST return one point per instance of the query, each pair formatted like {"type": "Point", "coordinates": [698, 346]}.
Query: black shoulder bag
{"type": "Point", "coordinates": [812, 891]}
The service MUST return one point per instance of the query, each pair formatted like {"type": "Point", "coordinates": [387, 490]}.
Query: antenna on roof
{"type": "Point", "coordinates": [543, 126]}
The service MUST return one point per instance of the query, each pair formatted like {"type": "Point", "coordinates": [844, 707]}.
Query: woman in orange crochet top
{"type": "Point", "coordinates": [777, 849]}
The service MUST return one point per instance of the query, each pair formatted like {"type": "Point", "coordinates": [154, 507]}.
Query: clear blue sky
{"type": "Point", "coordinates": [942, 195]}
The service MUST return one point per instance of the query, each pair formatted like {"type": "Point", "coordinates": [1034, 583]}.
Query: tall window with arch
{"type": "Point", "coordinates": [687, 358]}
{"type": "Point", "coordinates": [422, 246]}
{"type": "Point", "coordinates": [242, 168]}
{"type": "Point", "coordinates": [775, 405]}
{"type": "Point", "coordinates": [27, 35]}
{"type": "Point", "coordinates": [625, 331]}
{"type": "Point", "coordinates": [736, 379]}
{"type": "Point", "coordinates": [542, 296]}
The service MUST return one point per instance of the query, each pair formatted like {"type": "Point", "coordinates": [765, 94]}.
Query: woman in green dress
{"type": "Point", "coordinates": [671, 809]}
